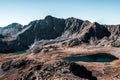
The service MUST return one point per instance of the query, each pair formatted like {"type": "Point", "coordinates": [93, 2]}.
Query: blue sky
{"type": "Point", "coordinates": [24, 11]}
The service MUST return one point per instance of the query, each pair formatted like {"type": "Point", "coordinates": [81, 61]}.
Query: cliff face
{"type": "Point", "coordinates": [70, 31]}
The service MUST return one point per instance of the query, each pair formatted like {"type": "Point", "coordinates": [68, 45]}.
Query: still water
{"type": "Point", "coordinates": [100, 57]}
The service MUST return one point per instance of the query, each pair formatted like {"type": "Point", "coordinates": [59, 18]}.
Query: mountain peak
{"type": "Point", "coordinates": [49, 17]}
{"type": "Point", "coordinates": [11, 29]}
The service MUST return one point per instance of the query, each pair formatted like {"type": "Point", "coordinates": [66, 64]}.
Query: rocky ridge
{"type": "Point", "coordinates": [35, 70]}
{"type": "Point", "coordinates": [62, 32]}
{"type": "Point", "coordinates": [11, 29]}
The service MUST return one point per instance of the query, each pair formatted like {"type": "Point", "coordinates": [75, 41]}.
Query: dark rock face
{"type": "Point", "coordinates": [70, 31]}
{"type": "Point", "coordinates": [73, 26]}
{"type": "Point", "coordinates": [20, 63]}
{"type": "Point", "coordinates": [96, 31]}
{"type": "Point", "coordinates": [49, 28]}
{"type": "Point", "coordinates": [81, 71]}
{"type": "Point", "coordinates": [1, 36]}
{"type": "Point", "coordinates": [50, 71]}
{"type": "Point", "coordinates": [74, 42]}
{"type": "Point", "coordinates": [6, 66]}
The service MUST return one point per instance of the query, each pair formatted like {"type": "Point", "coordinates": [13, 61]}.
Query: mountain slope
{"type": "Point", "coordinates": [67, 32]}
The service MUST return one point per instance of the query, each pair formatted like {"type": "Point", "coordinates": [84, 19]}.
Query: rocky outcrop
{"type": "Point", "coordinates": [49, 71]}
{"type": "Point", "coordinates": [6, 65]}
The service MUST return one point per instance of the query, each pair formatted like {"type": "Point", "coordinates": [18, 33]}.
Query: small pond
{"type": "Point", "coordinates": [18, 52]}
{"type": "Point", "coordinates": [99, 57]}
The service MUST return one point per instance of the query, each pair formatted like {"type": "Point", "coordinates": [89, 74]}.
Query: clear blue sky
{"type": "Point", "coordinates": [24, 11]}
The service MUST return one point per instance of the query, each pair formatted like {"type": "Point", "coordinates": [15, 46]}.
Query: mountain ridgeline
{"type": "Point", "coordinates": [11, 29]}
{"type": "Point", "coordinates": [64, 32]}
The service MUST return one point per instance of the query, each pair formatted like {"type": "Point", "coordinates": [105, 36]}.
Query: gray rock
{"type": "Point", "coordinates": [6, 65]}
{"type": "Point", "coordinates": [11, 29]}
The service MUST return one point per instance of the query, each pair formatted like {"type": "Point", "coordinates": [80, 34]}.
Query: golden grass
{"type": "Point", "coordinates": [5, 57]}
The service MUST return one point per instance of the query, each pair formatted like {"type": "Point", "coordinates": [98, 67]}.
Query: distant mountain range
{"type": "Point", "coordinates": [11, 29]}
{"type": "Point", "coordinates": [64, 32]}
